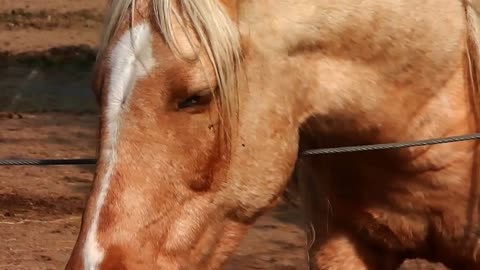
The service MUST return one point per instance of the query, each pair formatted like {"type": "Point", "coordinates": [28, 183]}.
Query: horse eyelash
{"type": "Point", "coordinates": [193, 100]}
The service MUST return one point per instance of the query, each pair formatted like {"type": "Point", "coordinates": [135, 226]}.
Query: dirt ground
{"type": "Point", "coordinates": [32, 25]}
{"type": "Point", "coordinates": [40, 207]}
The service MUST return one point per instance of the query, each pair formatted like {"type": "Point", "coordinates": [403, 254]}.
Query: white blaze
{"type": "Point", "coordinates": [130, 60]}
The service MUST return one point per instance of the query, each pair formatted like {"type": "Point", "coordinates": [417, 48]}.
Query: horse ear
{"type": "Point", "coordinates": [231, 6]}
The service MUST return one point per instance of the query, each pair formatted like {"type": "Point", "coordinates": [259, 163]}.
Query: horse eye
{"type": "Point", "coordinates": [195, 100]}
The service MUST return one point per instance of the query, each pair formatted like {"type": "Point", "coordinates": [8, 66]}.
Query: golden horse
{"type": "Point", "coordinates": [205, 106]}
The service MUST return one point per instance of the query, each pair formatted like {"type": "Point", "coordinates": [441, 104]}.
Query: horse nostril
{"type": "Point", "coordinates": [201, 184]}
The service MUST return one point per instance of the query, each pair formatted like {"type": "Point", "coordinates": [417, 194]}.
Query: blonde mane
{"type": "Point", "coordinates": [217, 34]}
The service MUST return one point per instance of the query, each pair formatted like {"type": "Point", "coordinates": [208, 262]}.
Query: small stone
{"type": "Point", "coordinates": [9, 214]}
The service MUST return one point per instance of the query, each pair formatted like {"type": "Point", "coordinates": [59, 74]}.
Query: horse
{"type": "Point", "coordinates": [206, 105]}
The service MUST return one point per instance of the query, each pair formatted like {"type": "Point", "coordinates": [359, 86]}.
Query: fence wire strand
{"type": "Point", "coordinates": [310, 152]}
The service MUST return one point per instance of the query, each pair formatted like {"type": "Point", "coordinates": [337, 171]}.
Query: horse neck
{"type": "Point", "coordinates": [372, 85]}
{"type": "Point", "coordinates": [473, 52]}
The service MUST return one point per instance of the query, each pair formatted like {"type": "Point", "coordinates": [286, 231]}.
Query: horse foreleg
{"type": "Point", "coordinates": [333, 248]}
{"type": "Point", "coordinates": [341, 251]}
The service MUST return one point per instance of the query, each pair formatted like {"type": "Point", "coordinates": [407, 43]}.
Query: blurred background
{"type": "Point", "coordinates": [47, 49]}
